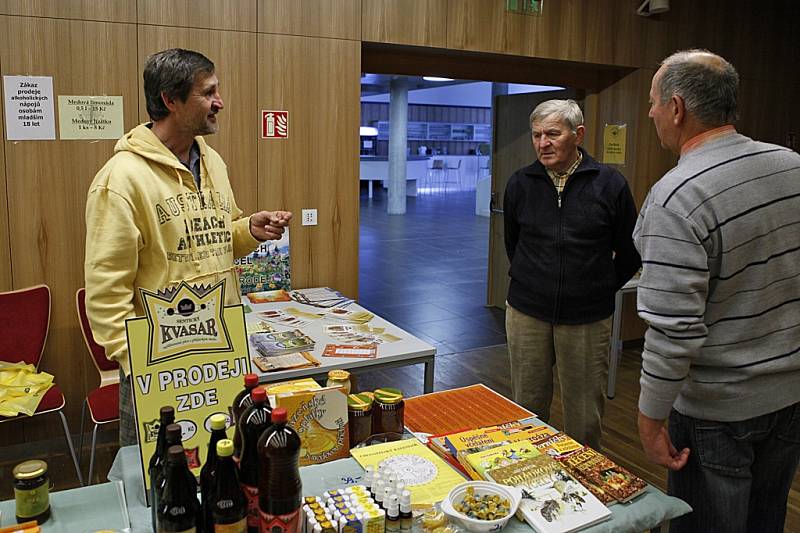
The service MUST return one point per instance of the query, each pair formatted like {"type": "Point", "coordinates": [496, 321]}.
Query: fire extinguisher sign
{"type": "Point", "coordinates": [274, 124]}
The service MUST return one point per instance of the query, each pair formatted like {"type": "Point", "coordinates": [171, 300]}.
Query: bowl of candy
{"type": "Point", "coordinates": [481, 506]}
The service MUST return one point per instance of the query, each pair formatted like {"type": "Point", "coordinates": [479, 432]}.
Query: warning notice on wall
{"type": "Point", "coordinates": [90, 117]}
{"type": "Point", "coordinates": [29, 108]}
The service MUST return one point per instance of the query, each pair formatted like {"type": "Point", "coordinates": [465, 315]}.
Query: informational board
{"type": "Point", "coordinates": [29, 108]}
{"type": "Point", "coordinates": [90, 117]}
{"type": "Point", "coordinates": [189, 351]}
{"type": "Point", "coordinates": [614, 137]}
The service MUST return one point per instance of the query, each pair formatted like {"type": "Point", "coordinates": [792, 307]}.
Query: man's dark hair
{"type": "Point", "coordinates": [171, 72]}
{"type": "Point", "coordinates": [708, 84]}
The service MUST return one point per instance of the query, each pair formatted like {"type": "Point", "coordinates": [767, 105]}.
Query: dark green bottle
{"type": "Point", "coordinates": [178, 509]}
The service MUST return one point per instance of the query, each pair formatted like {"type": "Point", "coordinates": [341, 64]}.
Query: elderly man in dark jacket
{"type": "Point", "coordinates": [568, 226]}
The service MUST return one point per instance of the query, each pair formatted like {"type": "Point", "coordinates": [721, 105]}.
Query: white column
{"type": "Point", "coordinates": [398, 141]}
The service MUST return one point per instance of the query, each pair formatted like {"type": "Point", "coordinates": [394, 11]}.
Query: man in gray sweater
{"type": "Point", "coordinates": [719, 237]}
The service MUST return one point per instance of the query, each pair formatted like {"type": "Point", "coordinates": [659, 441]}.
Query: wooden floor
{"type": "Point", "coordinates": [486, 365]}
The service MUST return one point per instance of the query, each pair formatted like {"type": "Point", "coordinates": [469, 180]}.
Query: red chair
{"type": "Point", "coordinates": [103, 402]}
{"type": "Point", "coordinates": [24, 323]}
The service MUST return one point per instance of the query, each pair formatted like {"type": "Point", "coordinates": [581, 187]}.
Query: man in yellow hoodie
{"type": "Point", "coordinates": [162, 211]}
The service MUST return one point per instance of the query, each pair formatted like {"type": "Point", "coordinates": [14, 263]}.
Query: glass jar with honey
{"type": "Point", "coordinates": [32, 491]}
{"type": "Point", "coordinates": [387, 411]}
{"type": "Point", "coordinates": [359, 417]}
{"type": "Point", "coordinates": [339, 378]}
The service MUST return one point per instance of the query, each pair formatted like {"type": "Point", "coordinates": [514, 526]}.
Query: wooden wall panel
{"type": "Point", "coordinates": [317, 81]}
{"type": "Point", "coordinates": [47, 181]}
{"type": "Point", "coordinates": [595, 31]}
{"type": "Point", "coordinates": [103, 10]}
{"type": "Point", "coordinates": [234, 56]}
{"type": "Point", "coordinates": [412, 22]}
{"type": "Point", "coordinates": [212, 14]}
{"type": "Point", "coordinates": [5, 245]}
{"type": "Point", "coordinates": [340, 19]}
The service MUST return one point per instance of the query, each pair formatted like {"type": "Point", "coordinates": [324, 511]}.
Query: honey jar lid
{"type": "Point", "coordinates": [361, 401]}
{"type": "Point", "coordinates": [339, 375]}
{"type": "Point", "coordinates": [388, 395]}
{"type": "Point", "coordinates": [30, 469]}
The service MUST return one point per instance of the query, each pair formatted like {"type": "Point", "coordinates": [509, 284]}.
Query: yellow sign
{"type": "Point", "coordinates": [189, 351]}
{"type": "Point", "coordinates": [614, 136]}
{"type": "Point", "coordinates": [90, 117]}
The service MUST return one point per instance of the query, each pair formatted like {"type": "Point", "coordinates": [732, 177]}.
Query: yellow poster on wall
{"type": "Point", "coordinates": [189, 351]}
{"type": "Point", "coordinates": [614, 137]}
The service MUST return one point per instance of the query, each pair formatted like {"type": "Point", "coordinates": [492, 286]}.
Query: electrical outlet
{"type": "Point", "coordinates": [309, 217]}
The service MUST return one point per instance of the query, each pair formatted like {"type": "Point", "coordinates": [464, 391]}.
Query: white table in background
{"type": "Point", "coordinates": [407, 351]}
{"type": "Point", "coordinates": [615, 346]}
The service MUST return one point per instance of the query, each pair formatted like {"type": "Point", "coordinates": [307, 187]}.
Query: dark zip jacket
{"type": "Point", "coordinates": [567, 262]}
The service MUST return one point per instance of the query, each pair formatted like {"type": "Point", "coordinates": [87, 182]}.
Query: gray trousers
{"type": "Point", "coordinates": [127, 419]}
{"type": "Point", "coordinates": [580, 355]}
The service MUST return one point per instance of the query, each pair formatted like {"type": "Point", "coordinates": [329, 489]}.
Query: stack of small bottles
{"type": "Point", "coordinates": [263, 494]}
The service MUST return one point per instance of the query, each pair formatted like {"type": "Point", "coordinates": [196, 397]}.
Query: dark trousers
{"type": "Point", "coordinates": [739, 473]}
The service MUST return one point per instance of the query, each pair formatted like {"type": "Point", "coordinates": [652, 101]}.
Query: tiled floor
{"type": "Point", "coordinates": [426, 271]}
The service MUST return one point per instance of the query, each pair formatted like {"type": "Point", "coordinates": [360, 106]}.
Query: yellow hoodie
{"type": "Point", "coordinates": [148, 226]}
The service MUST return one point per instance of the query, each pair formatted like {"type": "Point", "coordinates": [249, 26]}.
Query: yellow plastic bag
{"type": "Point", "coordinates": [21, 388]}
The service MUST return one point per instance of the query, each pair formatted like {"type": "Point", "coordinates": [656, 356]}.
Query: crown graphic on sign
{"type": "Point", "coordinates": [185, 320]}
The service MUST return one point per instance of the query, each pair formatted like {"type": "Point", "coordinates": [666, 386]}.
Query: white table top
{"type": "Point", "coordinates": [409, 348]}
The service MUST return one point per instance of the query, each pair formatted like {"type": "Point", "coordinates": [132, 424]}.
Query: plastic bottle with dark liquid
{"type": "Point", "coordinates": [254, 421]}
{"type": "Point", "coordinates": [238, 407]}
{"type": "Point", "coordinates": [280, 488]}
{"type": "Point", "coordinates": [178, 509]}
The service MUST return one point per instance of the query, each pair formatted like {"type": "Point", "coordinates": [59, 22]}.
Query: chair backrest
{"type": "Point", "coordinates": [24, 323]}
{"type": "Point", "coordinates": [438, 164]}
{"type": "Point", "coordinates": [454, 166]}
{"type": "Point", "coordinates": [108, 370]}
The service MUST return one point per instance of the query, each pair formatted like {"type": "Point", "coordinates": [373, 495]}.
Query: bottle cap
{"type": "Point", "coordinates": [393, 506]}
{"type": "Point", "coordinates": [258, 394]}
{"type": "Point", "coordinates": [361, 401]}
{"type": "Point", "coordinates": [167, 411]}
{"type": "Point", "coordinates": [219, 421]}
{"type": "Point", "coordinates": [399, 488]}
{"type": "Point", "coordinates": [30, 469]}
{"type": "Point", "coordinates": [405, 498]}
{"type": "Point", "coordinates": [176, 454]}
{"type": "Point", "coordinates": [225, 448]}
{"type": "Point", "coordinates": [250, 380]}
{"type": "Point", "coordinates": [174, 433]}
{"type": "Point", "coordinates": [279, 415]}
{"type": "Point", "coordinates": [339, 375]}
{"type": "Point", "coordinates": [388, 395]}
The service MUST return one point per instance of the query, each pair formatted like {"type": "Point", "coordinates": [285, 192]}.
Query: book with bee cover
{"type": "Point", "coordinates": [320, 418]}
{"type": "Point", "coordinates": [552, 500]}
{"type": "Point", "coordinates": [592, 467]}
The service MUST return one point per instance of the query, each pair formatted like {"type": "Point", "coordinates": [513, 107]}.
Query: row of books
{"type": "Point", "coordinates": [566, 486]}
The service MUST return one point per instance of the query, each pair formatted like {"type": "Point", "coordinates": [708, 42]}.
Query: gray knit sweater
{"type": "Point", "coordinates": [719, 237]}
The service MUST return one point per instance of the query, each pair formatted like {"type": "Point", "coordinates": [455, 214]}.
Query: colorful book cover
{"type": "Point", "coordinates": [267, 268]}
{"type": "Point", "coordinates": [553, 501]}
{"type": "Point", "coordinates": [557, 444]}
{"type": "Point", "coordinates": [594, 468]}
{"type": "Point", "coordinates": [320, 418]}
{"type": "Point", "coordinates": [295, 385]}
{"type": "Point", "coordinates": [425, 474]}
{"type": "Point", "coordinates": [503, 455]}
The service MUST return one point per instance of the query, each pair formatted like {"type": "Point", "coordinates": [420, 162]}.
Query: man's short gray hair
{"type": "Point", "coordinates": [566, 110]}
{"type": "Point", "coordinates": [708, 84]}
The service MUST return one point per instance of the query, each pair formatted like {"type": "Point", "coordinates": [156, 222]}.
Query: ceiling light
{"type": "Point", "coordinates": [368, 131]}
{"type": "Point", "coordinates": [436, 78]}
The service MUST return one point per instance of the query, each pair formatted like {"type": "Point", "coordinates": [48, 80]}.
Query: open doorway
{"type": "Point", "coordinates": [428, 270]}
